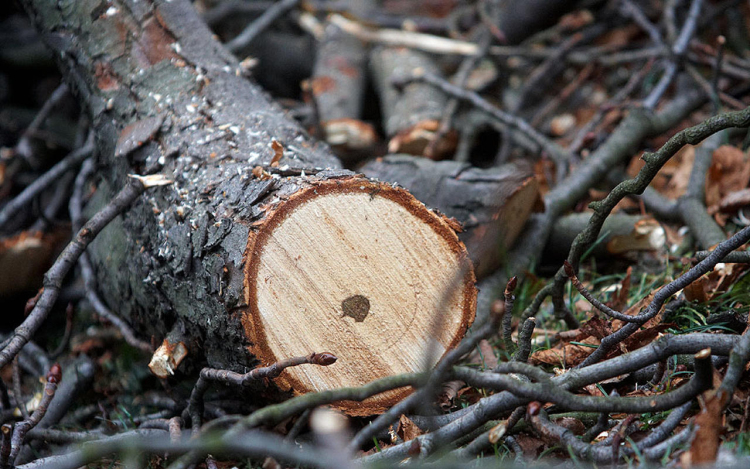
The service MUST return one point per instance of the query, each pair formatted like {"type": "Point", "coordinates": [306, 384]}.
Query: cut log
{"type": "Point", "coordinates": [244, 259]}
{"type": "Point", "coordinates": [412, 114]}
{"type": "Point", "coordinates": [338, 86]}
{"type": "Point", "coordinates": [359, 269]}
{"type": "Point", "coordinates": [492, 205]}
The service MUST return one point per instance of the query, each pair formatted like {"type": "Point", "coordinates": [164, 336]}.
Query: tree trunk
{"type": "Point", "coordinates": [245, 261]}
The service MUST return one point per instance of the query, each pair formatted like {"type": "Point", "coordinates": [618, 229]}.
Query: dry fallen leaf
{"type": "Point", "coordinates": [696, 291]}
{"type": "Point", "coordinates": [278, 152]}
{"type": "Point", "coordinates": [620, 298]}
{"type": "Point", "coordinates": [407, 429]}
{"type": "Point", "coordinates": [729, 172]}
{"type": "Point", "coordinates": [705, 445]}
{"type": "Point", "coordinates": [569, 354]}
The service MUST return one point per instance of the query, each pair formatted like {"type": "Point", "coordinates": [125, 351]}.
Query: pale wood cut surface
{"type": "Point", "coordinates": [357, 274]}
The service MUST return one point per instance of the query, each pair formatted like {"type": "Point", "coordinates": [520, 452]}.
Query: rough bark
{"type": "Point", "coordinates": [492, 205]}
{"type": "Point", "coordinates": [165, 97]}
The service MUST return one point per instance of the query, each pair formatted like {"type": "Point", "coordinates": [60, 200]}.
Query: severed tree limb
{"type": "Point", "coordinates": [337, 89]}
{"type": "Point", "coordinates": [412, 111]}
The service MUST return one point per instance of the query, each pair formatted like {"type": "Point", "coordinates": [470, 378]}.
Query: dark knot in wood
{"type": "Point", "coordinates": [356, 307]}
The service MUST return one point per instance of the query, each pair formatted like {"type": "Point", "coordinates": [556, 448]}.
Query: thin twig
{"type": "Point", "coordinates": [661, 296]}
{"type": "Point", "coordinates": [23, 147]}
{"type": "Point", "coordinates": [471, 418]}
{"type": "Point", "coordinates": [17, 395]}
{"type": "Point", "coordinates": [460, 79]}
{"type": "Point", "coordinates": [508, 317]}
{"type": "Point", "coordinates": [720, 41]}
{"type": "Point", "coordinates": [4, 398]}
{"type": "Point", "coordinates": [737, 257]}
{"type": "Point", "coordinates": [678, 50]}
{"type": "Point", "coordinates": [66, 335]}
{"type": "Point", "coordinates": [630, 9]}
{"type": "Point", "coordinates": [265, 20]}
{"type": "Point", "coordinates": [570, 272]}
{"type": "Point", "coordinates": [87, 271]}
{"type": "Point", "coordinates": [554, 150]}
{"type": "Point", "coordinates": [195, 406]}
{"type": "Point", "coordinates": [54, 277]}
{"type": "Point", "coordinates": [19, 432]}
{"type": "Point", "coordinates": [73, 159]}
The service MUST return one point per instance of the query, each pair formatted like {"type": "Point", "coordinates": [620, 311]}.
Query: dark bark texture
{"type": "Point", "coordinates": [165, 97]}
{"type": "Point", "coordinates": [492, 204]}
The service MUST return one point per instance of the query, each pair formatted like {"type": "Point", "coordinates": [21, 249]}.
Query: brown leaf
{"type": "Point", "coordinates": [696, 291]}
{"type": "Point", "coordinates": [488, 354]}
{"type": "Point", "coordinates": [136, 134]}
{"type": "Point", "coordinates": [734, 201]}
{"type": "Point", "coordinates": [530, 445]}
{"type": "Point", "coordinates": [680, 174]}
{"type": "Point", "coordinates": [705, 445]}
{"type": "Point", "coordinates": [729, 172]}
{"type": "Point", "coordinates": [544, 172]}
{"type": "Point", "coordinates": [672, 180]}
{"type": "Point", "coordinates": [620, 299]}
{"type": "Point", "coordinates": [407, 429]}
{"type": "Point", "coordinates": [448, 394]}
{"type": "Point", "coordinates": [572, 424]}
{"type": "Point", "coordinates": [568, 355]}
{"type": "Point", "coordinates": [635, 309]}
{"type": "Point", "coordinates": [596, 327]}
{"type": "Point", "coordinates": [260, 173]}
